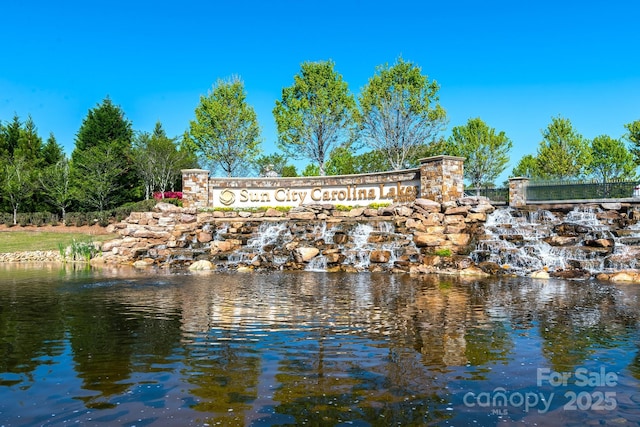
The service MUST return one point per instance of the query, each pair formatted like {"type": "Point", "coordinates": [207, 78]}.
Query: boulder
{"type": "Point", "coordinates": [201, 265]}
{"type": "Point", "coordinates": [379, 256]}
{"type": "Point", "coordinates": [306, 254]}
{"type": "Point", "coordinates": [428, 205]}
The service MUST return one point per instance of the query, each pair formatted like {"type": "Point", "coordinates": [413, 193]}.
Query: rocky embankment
{"type": "Point", "coordinates": [31, 256]}
{"type": "Point", "coordinates": [423, 236]}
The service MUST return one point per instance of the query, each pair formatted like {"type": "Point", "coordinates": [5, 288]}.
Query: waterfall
{"type": "Point", "coordinates": [522, 242]}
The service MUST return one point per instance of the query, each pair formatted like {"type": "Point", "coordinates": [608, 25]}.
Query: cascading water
{"type": "Point", "coordinates": [522, 242]}
{"type": "Point", "coordinates": [269, 236]}
{"type": "Point", "coordinates": [362, 240]}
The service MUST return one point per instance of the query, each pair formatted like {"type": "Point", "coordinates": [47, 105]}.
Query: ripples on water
{"type": "Point", "coordinates": [127, 348]}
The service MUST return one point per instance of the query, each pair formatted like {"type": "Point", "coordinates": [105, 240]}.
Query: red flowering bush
{"type": "Point", "coordinates": [168, 195]}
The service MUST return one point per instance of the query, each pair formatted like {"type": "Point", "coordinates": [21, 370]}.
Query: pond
{"type": "Point", "coordinates": [130, 348]}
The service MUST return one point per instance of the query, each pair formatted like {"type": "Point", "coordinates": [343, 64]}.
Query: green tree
{"type": "Point", "coordinates": [29, 143]}
{"type": "Point", "coordinates": [634, 138]}
{"type": "Point", "coordinates": [105, 131]}
{"type": "Point", "coordinates": [52, 152]}
{"type": "Point", "coordinates": [400, 111]}
{"type": "Point", "coordinates": [611, 160]}
{"type": "Point", "coordinates": [157, 160]}
{"type": "Point", "coordinates": [16, 183]}
{"type": "Point", "coordinates": [486, 152]}
{"type": "Point", "coordinates": [526, 167]}
{"type": "Point", "coordinates": [226, 131]}
{"type": "Point", "coordinates": [55, 181]}
{"type": "Point", "coordinates": [272, 163]}
{"type": "Point", "coordinates": [101, 168]}
{"type": "Point", "coordinates": [563, 153]}
{"type": "Point", "coordinates": [316, 114]}
{"type": "Point", "coordinates": [11, 136]}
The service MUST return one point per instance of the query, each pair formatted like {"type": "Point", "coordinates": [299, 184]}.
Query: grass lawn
{"type": "Point", "coordinates": [15, 241]}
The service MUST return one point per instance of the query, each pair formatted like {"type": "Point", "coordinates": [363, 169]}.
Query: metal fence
{"type": "Point", "coordinates": [565, 190]}
{"type": "Point", "coordinates": [496, 195]}
{"type": "Point", "coordinates": [579, 190]}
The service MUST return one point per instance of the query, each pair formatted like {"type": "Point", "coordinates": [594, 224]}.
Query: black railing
{"type": "Point", "coordinates": [579, 190]}
{"type": "Point", "coordinates": [496, 195]}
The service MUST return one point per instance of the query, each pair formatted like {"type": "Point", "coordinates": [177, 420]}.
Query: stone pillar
{"type": "Point", "coordinates": [195, 188]}
{"type": "Point", "coordinates": [441, 178]}
{"type": "Point", "coordinates": [518, 191]}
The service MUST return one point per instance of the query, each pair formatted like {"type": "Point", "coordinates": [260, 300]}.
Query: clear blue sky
{"type": "Point", "coordinates": [515, 64]}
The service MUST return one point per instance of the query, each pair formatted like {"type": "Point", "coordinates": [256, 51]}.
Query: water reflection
{"type": "Point", "coordinates": [119, 346]}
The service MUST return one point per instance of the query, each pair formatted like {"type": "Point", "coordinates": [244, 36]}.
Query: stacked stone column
{"type": "Point", "coordinates": [518, 191]}
{"type": "Point", "coordinates": [442, 178]}
{"type": "Point", "coordinates": [195, 188]}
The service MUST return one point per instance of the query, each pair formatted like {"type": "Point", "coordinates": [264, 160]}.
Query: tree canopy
{"type": "Point", "coordinates": [101, 162]}
{"type": "Point", "coordinates": [400, 111]}
{"type": "Point", "coordinates": [611, 160]}
{"type": "Point", "coordinates": [315, 114]}
{"type": "Point", "coordinates": [226, 131]}
{"type": "Point", "coordinates": [486, 152]}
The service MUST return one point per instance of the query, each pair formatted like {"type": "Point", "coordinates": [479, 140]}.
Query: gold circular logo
{"type": "Point", "coordinates": [227, 197]}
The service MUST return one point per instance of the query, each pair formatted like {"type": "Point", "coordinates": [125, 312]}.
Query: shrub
{"type": "Point", "coordinates": [443, 252]}
{"type": "Point", "coordinates": [168, 195]}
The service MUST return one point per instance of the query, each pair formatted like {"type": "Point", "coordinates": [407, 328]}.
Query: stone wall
{"type": "Point", "coordinates": [441, 178]}
{"type": "Point", "coordinates": [438, 178]}
{"type": "Point", "coordinates": [423, 236]}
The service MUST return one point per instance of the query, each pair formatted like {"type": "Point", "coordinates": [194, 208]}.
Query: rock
{"type": "Point", "coordinates": [428, 205]}
{"type": "Point", "coordinates": [611, 206]}
{"type": "Point", "coordinates": [627, 276]}
{"type": "Point", "coordinates": [453, 219]}
{"type": "Point", "coordinates": [188, 218]}
{"type": "Point", "coordinates": [473, 271]}
{"type": "Point", "coordinates": [540, 274]}
{"type": "Point", "coordinates": [457, 210]}
{"type": "Point", "coordinates": [201, 265]}
{"type": "Point", "coordinates": [404, 211]}
{"type": "Point", "coordinates": [458, 239]}
{"type": "Point", "coordinates": [166, 208]}
{"type": "Point", "coordinates": [204, 237]}
{"type": "Point", "coordinates": [143, 263]}
{"type": "Point", "coordinates": [302, 215]}
{"type": "Point", "coordinates": [415, 224]}
{"type": "Point", "coordinates": [561, 240]}
{"type": "Point", "coordinates": [599, 243]}
{"type": "Point", "coordinates": [305, 254]}
{"type": "Point", "coordinates": [428, 239]}
{"type": "Point", "coordinates": [273, 213]}
{"type": "Point", "coordinates": [573, 274]}
{"type": "Point", "coordinates": [379, 256]}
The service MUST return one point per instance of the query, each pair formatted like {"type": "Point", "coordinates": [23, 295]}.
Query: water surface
{"type": "Point", "coordinates": [121, 347]}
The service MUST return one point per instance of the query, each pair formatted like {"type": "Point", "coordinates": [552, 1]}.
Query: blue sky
{"type": "Point", "coordinates": [515, 64]}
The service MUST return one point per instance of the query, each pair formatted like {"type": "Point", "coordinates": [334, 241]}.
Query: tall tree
{"type": "Point", "coordinates": [55, 181]}
{"type": "Point", "coordinates": [315, 114]}
{"type": "Point", "coordinates": [52, 152]}
{"type": "Point", "coordinates": [400, 111]}
{"type": "Point", "coordinates": [526, 167]}
{"type": "Point", "coordinates": [486, 152]}
{"type": "Point", "coordinates": [610, 159]}
{"type": "Point", "coordinates": [16, 183]}
{"type": "Point", "coordinates": [634, 137]}
{"type": "Point", "coordinates": [105, 130]}
{"type": "Point", "coordinates": [29, 143]}
{"type": "Point", "coordinates": [226, 131]}
{"type": "Point", "coordinates": [563, 153]}
{"type": "Point", "coordinates": [11, 136]}
{"type": "Point", "coordinates": [101, 168]}
{"type": "Point", "coordinates": [157, 160]}
{"type": "Point", "coordinates": [271, 163]}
